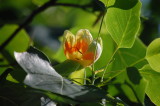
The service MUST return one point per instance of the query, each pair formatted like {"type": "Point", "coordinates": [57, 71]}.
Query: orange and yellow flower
{"type": "Point", "coordinates": [81, 47]}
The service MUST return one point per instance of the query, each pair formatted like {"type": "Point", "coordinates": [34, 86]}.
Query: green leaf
{"type": "Point", "coordinates": [153, 54]}
{"type": "Point", "coordinates": [3, 64]}
{"type": "Point", "coordinates": [19, 43]}
{"type": "Point", "coordinates": [124, 58]}
{"type": "Point", "coordinates": [41, 75]}
{"type": "Point", "coordinates": [131, 84]}
{"type": "Point", "coordinates": [153, 79]}
{"type": "Point", "coordinates": [4, 75]}
{"type": "Point", "coordinates": [59, 98]}
{"type": "Point", "coordinates": [67, 67]}
{"type": "Point", "coordinates": [107, 51]}
{"type": "Point", "coordinates": [136, 82]}
{"type": "Point", "coordinates": [123, 21]}
{"type": "Point", "coordinates": [78, 76]}
{"type": "Point", "coordinates": [104, 2]}
{"type": "Point", "coordinates": [128, 57]}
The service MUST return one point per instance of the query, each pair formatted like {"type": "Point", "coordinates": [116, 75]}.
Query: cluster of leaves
{"type": "Point", "coordinates": [128, 72]}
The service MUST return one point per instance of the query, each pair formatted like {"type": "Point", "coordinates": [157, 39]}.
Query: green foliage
{"type": "Point", "coordinates": [127, 57]}
{"type": "Point", "coordinates": [19, 43]}
{"type": "Point", "coordinates": [4, 64]}
{"type": "Point", "coordinates": [78, 76]}
{"type": "Point", "coordinates": [152, 78]}
{"type": "Point", "coordinates": [126, 74]}
{"type": "Point", "coordinates": [131, 84]}
{"type": "Point", "coordinates": [123, 21]}
{"type": "Point", "coordinates": [65, 70]}
{"type": "Point", "coordinates": [153, 54]}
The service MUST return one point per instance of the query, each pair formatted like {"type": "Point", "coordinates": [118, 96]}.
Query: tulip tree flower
{"type": "Point", "coordinates": [81, 47]}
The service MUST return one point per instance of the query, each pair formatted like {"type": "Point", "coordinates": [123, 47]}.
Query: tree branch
{"type": "Point", "coordinates": [33, 14]}
{"type": "Point", "coordinates": [26, 22]}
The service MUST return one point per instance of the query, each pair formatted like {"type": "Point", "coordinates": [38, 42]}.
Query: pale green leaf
{"type": "Point", "coordinates": [78, 76]}
{"type": "Point", "coordinates": [123, 21]}
{"type": "Point", "coordinates": [41, 75]}
{"type": "Point", "coordinates": [153, 79]}
{"type": "Point", "coordinates": [153, 54]}
{"type": "Point", "coordinates": [124, 58]}
{"type": "Point", "coordinates": [128, 57]}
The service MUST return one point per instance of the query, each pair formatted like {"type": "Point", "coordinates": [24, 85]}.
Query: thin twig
{"type": "Point", "coordinates": [34, 13]}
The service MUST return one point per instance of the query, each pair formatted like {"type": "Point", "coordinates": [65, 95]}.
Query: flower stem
{"type": "Point", "coordinates": [93, 75]}
{"type": "Point", "coordinates": [84, 82]}
{"type": "Point", "coordinates": [93, 71]}
{"type": "Point", "coordinates": [110, 60]}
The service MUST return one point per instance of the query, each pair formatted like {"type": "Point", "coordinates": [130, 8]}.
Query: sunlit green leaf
{"type": "Point", "coordinates": [78, 76]}
{"type": "Point", "coordinates": [107, 51]}
{"type": "Point", "coordinates": [153, 54]}
{"type": "Point", "coordinates": [153, 79]}
{"type": "Point", "coordinates": [123, 21]}
{"type": "Point", "coordinates": [131, 84]}
{"type": "Point", "coordinates": [124, 58]}
{"type": "Point", "coordinates": [136, 82]}
{"type": "Point", "coordinates": [128, 57]}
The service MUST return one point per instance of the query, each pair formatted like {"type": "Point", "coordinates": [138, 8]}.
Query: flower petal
{"type": "Point", "coordinates": [95, 48]}
{"type": "Point", "coordinates": [83, 40]}
{"type": "Point", "coordinates": [69, 37]}
{"type": "Point", "coordinates": [84, 34]}
{"type": "Point", "coordinates": [69, 41]}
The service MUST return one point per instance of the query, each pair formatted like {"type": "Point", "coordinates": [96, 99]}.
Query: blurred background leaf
{"type": "Point", "coordinates": [19, 43]}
